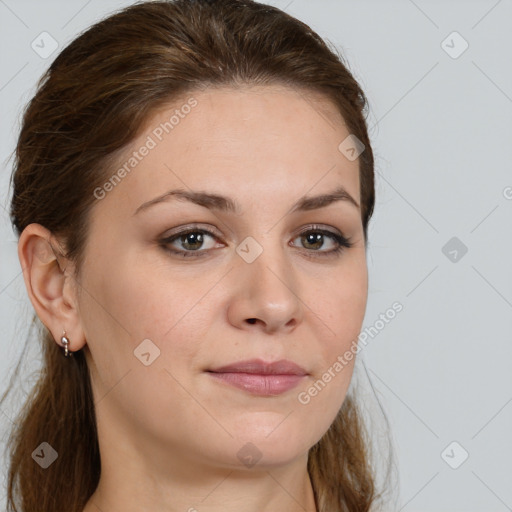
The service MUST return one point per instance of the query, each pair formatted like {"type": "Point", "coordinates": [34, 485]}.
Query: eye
{"type": "Point", "coordinates": [191, 240]}
{"type": "Point", "coordinates": [314, 239]}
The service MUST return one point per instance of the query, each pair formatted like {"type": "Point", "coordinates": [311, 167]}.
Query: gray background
{"type": "Point", "coordinates": [442, 135]}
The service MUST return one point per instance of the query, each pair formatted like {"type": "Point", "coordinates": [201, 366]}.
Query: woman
{"type": "Point", "coordinates": [192, 190]}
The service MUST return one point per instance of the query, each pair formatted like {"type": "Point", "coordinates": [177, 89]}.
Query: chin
{"type": "Point", "coordinates": [272, 446]}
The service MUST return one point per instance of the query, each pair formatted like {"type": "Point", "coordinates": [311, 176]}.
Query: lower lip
{"type": "Point", "coordinates": [265, 385]}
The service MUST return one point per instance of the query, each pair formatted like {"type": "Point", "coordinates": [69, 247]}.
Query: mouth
{"type": "Point", "coordinates": [260, 367]}
{"type": "Point", "coordinates": [259, 377]}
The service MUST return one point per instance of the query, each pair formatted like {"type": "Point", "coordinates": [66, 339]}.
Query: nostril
{"type": "Point", "coordinates": [252, 320]}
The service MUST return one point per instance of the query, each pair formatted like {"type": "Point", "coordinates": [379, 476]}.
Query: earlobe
{"type": "Point", "coordinates": [49, 279]}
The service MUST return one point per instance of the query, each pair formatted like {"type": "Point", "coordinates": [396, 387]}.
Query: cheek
{"type": "Point", "coordinates": [136, 303]}
{"type": "Point", "coordinates": [124, 311]}
{"type": "Point", "coordinates": [340, 302]}
{"type": "Point", "coordinates": [341, 305]}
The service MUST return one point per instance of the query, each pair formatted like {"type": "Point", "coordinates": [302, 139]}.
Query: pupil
{"type": "Point", "coordinates": [195, 237]}
{"type": "Point", "coordinates": [314, 239]}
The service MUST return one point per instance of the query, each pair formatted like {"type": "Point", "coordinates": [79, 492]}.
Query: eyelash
{"type": "Point", "coordinates": [341, 241]}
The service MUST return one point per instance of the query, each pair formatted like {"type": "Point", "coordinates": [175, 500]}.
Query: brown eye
{"type": "Point", "coordinates": [314, 240]}
{"type": "Point", "coordinates": [190, 242]}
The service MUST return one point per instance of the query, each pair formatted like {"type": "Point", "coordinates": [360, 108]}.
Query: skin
{"type": "Point", "coordinates": [169, 433]}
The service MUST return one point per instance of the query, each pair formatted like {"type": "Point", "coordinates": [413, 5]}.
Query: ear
{"type": "Point", "coordinates": [51, 285]}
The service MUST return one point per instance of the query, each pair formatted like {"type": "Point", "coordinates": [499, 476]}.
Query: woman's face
{"type": "Point", "coordinates": [267, 283]}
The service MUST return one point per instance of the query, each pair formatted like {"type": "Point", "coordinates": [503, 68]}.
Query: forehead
{"type": "Point", "coordinates": [264, 142]}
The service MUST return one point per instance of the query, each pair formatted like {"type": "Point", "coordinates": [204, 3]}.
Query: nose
{"type": "Point", "coordinates": [265, 293]}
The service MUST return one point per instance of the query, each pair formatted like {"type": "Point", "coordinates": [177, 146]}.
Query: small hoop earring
{"type": "Point", "coordinates": [65, 343]}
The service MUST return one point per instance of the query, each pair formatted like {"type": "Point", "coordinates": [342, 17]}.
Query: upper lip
{"type": "Point", "coordinates": [260, 367]}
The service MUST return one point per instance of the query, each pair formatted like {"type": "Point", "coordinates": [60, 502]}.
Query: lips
{"type": "Point", "coordinates": [259, 377]}
{"type": "Point", "coordinates": [260, 367]}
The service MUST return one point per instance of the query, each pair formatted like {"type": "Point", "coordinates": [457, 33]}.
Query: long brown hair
{"type": "Point", "coordinates": [92, 101]}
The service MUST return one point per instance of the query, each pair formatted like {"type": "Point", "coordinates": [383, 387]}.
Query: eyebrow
{"type": "Point", "coordinates": [223, 203]}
